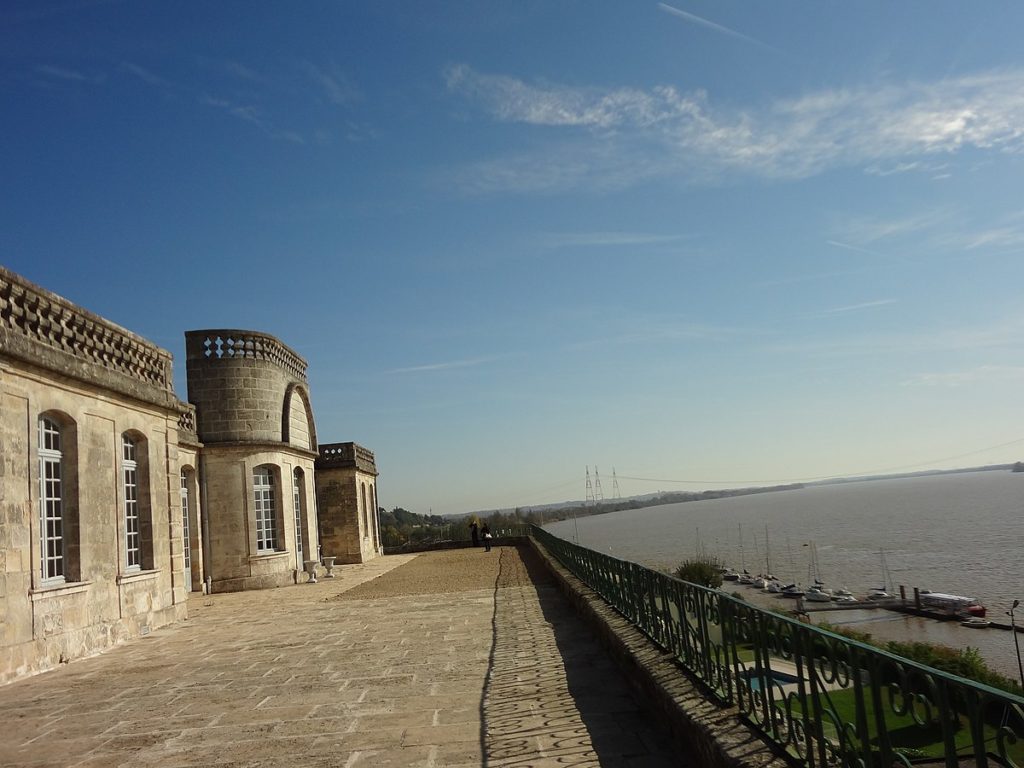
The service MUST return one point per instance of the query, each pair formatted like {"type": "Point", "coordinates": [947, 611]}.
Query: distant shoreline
{"type": "Point", "coordinates": [566, 509]}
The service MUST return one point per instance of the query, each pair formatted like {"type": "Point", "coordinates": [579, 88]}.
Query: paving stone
{"type": "Point", "coordinates": [453, 658]}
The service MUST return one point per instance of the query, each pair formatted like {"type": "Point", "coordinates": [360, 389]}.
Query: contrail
{"type": "Point", "coordinates": [716, 27]}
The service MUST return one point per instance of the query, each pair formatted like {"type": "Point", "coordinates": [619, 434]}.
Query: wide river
{"type": "Point", "coordinates": [961, 533]}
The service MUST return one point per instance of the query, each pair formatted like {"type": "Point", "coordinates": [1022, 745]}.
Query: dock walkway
{"type": "Point", "coordinates": [454, 658]}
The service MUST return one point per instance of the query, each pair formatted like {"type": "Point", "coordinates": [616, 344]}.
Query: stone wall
{"type": "Point", "coordinates": [252, 410]}
{"type": "Point", "coordinates": [715, 736]}
{"type": "Point", "coordinates": [97, 383]}
{"type": "Point", "coordinates": [197, 525]}
{"type": "Point", "coordinates": [346, 488]}
{"type": "Point", "coordinates": [235, 561]}
{"type": "Point", "coordinates": [247, 387]}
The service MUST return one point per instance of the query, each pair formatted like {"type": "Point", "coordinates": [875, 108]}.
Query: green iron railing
{"type": "Point", "coordinates": [450, 532]}
{"type": "Point", "coordinates": [823, 699]}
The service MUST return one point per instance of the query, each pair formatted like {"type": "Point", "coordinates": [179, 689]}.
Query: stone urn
{"type": "Point", "coordinates": [329, 565]}
{"type": "Point", "coordinates": [310, 566]}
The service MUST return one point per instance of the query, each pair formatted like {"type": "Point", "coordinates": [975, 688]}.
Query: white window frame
{"type": "Point", "coordinates": [52, 522]}
{"type": "Point", "coordinates": [264, 506]}
{"type": "Point", "coordinates": [297, 478]}
{"type": "Point", "coordinates": [185, 538]}
{"type": "Point", "coordinates": [366, 514]}
{"type": "Point", "coordinates": [132, 513]}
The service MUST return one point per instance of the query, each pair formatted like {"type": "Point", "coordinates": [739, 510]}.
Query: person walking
{"type": "Point", "coordinates": [487, 537]}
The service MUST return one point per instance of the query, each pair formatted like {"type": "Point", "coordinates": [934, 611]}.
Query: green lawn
{"type": "Point", "coordinates": [905, 734]}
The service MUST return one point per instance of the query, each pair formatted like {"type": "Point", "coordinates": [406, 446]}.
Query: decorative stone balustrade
{"type": "Point", "coordinates": [232, 344]}
{"type": "Point", "coordinates": [187, 425]}
{"type": "Point", "coordinates": [32, 318]}
{"type": "Point", "coordinates": [347, 455]}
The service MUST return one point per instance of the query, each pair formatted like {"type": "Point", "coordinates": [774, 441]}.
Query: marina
{"type": "Point", "coordinates": [942, 532]}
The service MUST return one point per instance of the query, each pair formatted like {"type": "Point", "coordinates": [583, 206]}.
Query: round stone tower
{"type": "Point", "coordinates": [254, 420]}
{"type": "Point", "coordinates": [243, 385]}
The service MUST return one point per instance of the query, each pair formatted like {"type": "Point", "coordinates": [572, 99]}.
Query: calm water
{"type": "Point", "coordinates": [949, 533]}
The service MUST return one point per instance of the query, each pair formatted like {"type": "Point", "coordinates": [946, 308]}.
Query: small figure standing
{"type": "Point", "coordinates": [474, 533]}
{"type": "Point", "coordinates": [487, 537]}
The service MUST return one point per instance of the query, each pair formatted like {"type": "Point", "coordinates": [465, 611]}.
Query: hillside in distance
{"type": "Point", "coordinates": [547, 513]}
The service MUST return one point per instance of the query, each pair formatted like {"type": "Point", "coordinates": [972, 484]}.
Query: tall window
{"type": "Point", "coordinates": [373, 516]}
{"type": "Point", "coordinates": [297, 503]}
{"type": "Point", "coordinates": [186, 539]}
{"type": "Point", "coordinates": [266, 524]}
{"type": "Point", "coordinates": [366, 517]}
{"type": "Point", "coordinates": [52, 544]}
{"type": "Point", "coordinates": [132, 518]}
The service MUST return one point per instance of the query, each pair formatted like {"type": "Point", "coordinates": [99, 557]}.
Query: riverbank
{"type": "Point", "coordinates": [945, 533]}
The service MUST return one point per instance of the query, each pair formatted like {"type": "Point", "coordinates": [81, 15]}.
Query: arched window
{"type": "Point", "coordinates": [59, 552]}
{"type": "Point", "coordinates": [52, 502]}
{"type": "Point", "coordinates": [186, 539]}
{"type": "Point", "coordinates": [132, 518]}
{"type": "Point", "coordinates": [265, 506]}
{"type": "Point", "coordinates": [138, 523]}
{"type": "Point", "coordinates": [373, 515]}
{"type": "Point", "coordinates": [297, 489]}
{"type": "Point", "coordinates": [366, 517]}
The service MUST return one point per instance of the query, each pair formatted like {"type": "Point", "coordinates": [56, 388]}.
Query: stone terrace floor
{"type": "Point", "coordinates": [450, 658]}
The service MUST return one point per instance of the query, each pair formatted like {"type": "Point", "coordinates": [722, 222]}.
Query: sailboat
{"type": "Point", "coordinates": [744, 577]}
{"type": "Point", "coordinates": [767, 580]}
{"type": "Point", "coordinates": [882, 593]}
{"type": "Point", "coordinates": [817, 592]}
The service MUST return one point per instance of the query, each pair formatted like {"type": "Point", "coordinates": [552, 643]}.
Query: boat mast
{"type": "Point", "coordinates": [743, 562]}
{"type": "Point", "coordinates": [886, 587]}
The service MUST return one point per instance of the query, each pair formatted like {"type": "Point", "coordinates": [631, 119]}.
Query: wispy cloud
{"type": "Point", "coordinates": [621, 136]}
{"type": "Point", "coordinates": [241, 71]}
{"type": "Point", "coordinates": [694, 19]}
{"type": "Point", "coordinates": [915, 166]}
{"type": "Point", "coordinates": [1004, 335]}
{"type": "Point", "coordinates": [983, 373]}
{"type": "Point", "coordinates": [664, 330]}
{"type": "Point", "coordinates": [1000, 237]}
{"type": "Point", "coordinates": [854, 248]}
{"type": "Point", "coordinates": [62, 73]}
{"type": "Point", "coordinates": [445, 366]}
{"type": "Point", "coordinates": [146, 75]}
{"type": "Point", "coordinates": [858, 307]}
{"type": "Point", "coordinates": [335, 85]}
{"type": "Point", "coordinates": [252, 115]}
{"type": "Point", "coordinates": [871, 229]}
{"type": "Point", "coordinates": [604, 239]}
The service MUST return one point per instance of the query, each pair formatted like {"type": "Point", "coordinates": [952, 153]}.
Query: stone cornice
{"type": "Point", "coordinates": [47, 331]}
{"type": "Point", "coordinates": [208, 346]}
{"type": "Point", "coordinates": [347, 455]}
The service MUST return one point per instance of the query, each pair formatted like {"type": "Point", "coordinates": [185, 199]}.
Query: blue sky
{"type": "Point", "coordinates": [706, 243]}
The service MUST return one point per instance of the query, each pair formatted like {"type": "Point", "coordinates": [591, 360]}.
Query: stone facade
{"type": "Point", "coordinates": [117, 499]}
{"type": "Point", "coordinates": [91, 549]}
{"type": "Point", "coordinates": [256, 426]}
{"type": "Point", "coordinates": [346, 488]}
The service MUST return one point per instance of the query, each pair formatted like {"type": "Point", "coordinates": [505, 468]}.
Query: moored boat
{"type": "Point", "coordinates": [792, 590]}
{"type": "Point", "coordinates": [818, 594]}
{"type": "Point", "coordinates": [956, 604]}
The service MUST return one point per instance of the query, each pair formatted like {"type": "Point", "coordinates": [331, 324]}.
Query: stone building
{"type": "Point", "coordinates": [346, 487]}
{"type": "Point", "coordinates": [90, 523]}
{"type": "Point", "coordinates": [256, 426]}
{"type": "Point", "coordinates": [117, 499]}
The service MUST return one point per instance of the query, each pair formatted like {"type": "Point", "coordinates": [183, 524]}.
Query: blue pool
{"type": "Point", "coordinates": [782, 678]}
